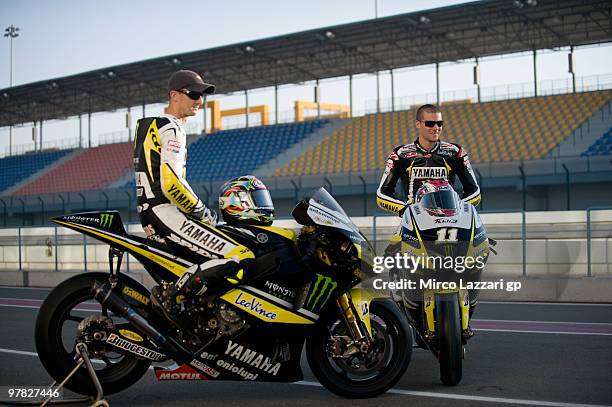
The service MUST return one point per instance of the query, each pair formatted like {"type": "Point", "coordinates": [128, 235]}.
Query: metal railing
{"type": "Point", "coordinates": [543, 243]}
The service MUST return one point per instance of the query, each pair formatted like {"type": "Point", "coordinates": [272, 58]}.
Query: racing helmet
{"type": "Point", "coordinates": [438, 198]}
{"type": "Point", "coordinates": [246, 200]}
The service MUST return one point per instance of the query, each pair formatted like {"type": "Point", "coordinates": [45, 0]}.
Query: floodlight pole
{"type": "Point", "coordinates": [351, 94]}
{"type": "Point", "coordinates": [392, 91]}
{"type": "Point", "coordinates": [437, 83]}
{"type": "Point", "coordinates": [276, 103]}
{"type": "Point", "coordinates": [11, 32]}
{"type": "Point", "coordinates": [246, 100]}
{"type": "Point", "coordinates": [572, 68]}
{"type": "Point", "coordinates": [535, 73]}
{"type": "Point", "coordinates": [377, 72]}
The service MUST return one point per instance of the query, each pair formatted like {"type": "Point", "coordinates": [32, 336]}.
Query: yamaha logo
{"type": "Point", "coordinates": [262, 238]}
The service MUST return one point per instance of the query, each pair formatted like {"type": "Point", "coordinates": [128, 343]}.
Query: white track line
{"type": "Point", "coordinates": [417, 393]}
{"type": "Point", "coordinates": [542, 332]}
{"type": "Point", "coordinates": [38, 307]}
{"type": "Point", "coordinates": [26, 288]}
{"type": "Point", "coordinates": [577, 304]}
{"type": "Point", "coordinates": [19, 306]}
{"type": "Point", "coordinates": [18, 352]}
{"type": "Point", "coordinates": [543, 322]}
{"type": "Point", "coordinates": [474, 398]}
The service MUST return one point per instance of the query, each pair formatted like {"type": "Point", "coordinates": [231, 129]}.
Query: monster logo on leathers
{"type": "Point", "coordinates": [319, 290]}
{"type": "Point", "coordinates": [106, 220]}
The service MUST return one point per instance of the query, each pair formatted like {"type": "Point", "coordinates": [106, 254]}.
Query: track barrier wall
{"type": "Point", "coordinates": [558, 255]}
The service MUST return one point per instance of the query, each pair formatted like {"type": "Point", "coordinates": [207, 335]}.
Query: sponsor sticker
{"type": "Point", "coordinates": [135, 295]}
{"type": "Point", "coordinates": [121, 343]}
{"type": "Point", "coordinates": [208, 356]}
{"type": "Point", "coordinates": [82, 219]}
{"type": "Point", "coordinates": [277, 289]}
{"type": "Point", "coordinates": [183, 372]}
{"type": "Point", "coordinates": [364, 309]}
{"type": "Point", "coordinates": [174, 143]}
{"type": "Point", "coordinates": [106, 220]}
{"type": "Point", "coordinates": [262, 238]}
{"type": "Point", "coordinates": [320, 294]}
{"type": "Point", "coordinates": [429, 173]}
{"type": "Point", "coordinates": [252, 358]}
{"type": "Point", "coordinates": [445, 220]}
{"type": "Point", "coordinates": [204, 368]}
{"type": "Point", "coordinates": [133, 336]}
{"type": "Point", "coordinates": [252, 304]}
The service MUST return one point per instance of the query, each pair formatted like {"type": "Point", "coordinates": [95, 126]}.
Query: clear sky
{"type": "Point", "coordinates": [60, 38]}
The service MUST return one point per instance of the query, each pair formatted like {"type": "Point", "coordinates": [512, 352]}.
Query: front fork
{"type": "Point", "coordinates": [429, 305]}
{"type": "Point", "coordinates": [355, 310]}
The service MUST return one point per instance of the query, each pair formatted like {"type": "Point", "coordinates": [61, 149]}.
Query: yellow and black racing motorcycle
{"type": "Point", "coordinates": [448, 247]}
{"type": "Point", "coordinates": [303, 292]}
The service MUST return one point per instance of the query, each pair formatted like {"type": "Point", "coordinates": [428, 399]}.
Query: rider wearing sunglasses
{"type": "Point", "coordinates": [427, 158]}
{"type": "Point", "coordinates": [170, 211]}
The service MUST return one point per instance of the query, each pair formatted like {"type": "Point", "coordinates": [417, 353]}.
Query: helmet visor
{"type": "Point", "coordinates": [442, 203]}
{"type": "Point", "coordinates": [261, 199]}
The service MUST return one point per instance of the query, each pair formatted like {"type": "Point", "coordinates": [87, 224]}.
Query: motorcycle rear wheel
{"type": "Point", "coordinates": [448, 328]}
{"type": "Point", "coordinates": [394, 353]}
{"type": "Point", "coordinates": [57, 353]}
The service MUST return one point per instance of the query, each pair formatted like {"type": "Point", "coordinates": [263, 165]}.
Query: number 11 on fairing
{"type": "Point", "coordinates": [444, 237]}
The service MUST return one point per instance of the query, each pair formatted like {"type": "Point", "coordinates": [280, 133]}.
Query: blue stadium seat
{"type": "Point", "coordinates": [17, 168]}
{"type": "Point", "coordinates": [601, 146]}
{"type": "Point", "coordinates": [231, 153]}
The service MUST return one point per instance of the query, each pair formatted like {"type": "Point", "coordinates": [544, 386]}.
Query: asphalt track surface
{"type": "Point", "coordinates": [522, 354]}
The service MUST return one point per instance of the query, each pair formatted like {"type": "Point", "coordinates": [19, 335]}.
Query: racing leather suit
{"type": "Point", "coordinates": [170, 212]}
{"type": "Point", "coordinates": [415, 165]}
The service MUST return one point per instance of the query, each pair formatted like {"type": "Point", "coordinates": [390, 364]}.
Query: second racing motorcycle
{"type": "Point", "coordinates": [448, 246]}
{"type": "Point", "coordinates": [303, 294]}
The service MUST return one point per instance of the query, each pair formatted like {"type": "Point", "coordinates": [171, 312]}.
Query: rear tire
{"type": "Point", "coordinates": [52, 348]}
{"type": "Point", "coordinates": [395, 352]}
{"type": "Point", "coordinates": [448, 328]}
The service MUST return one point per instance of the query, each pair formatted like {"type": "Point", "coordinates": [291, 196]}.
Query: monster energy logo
{"type": "Point", "coordinates": [318, 291]}
{"type": "Point", "coordinates": [106, 220]}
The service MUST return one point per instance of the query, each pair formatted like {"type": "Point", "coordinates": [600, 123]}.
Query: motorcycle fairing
{"type": "Point", "coordinates": [255, 355]}
{"type": "Point", "coordinates": [271, 309]}
{"type": "Point", "coordinates": [425, 221]}
{"type": "Point", "coordinates": [285, 233]}
{"type": "Point", "coordinates": [160, 263]}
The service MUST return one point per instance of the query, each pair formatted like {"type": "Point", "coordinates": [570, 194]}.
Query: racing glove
{"type": "Point", "coordinates": [205, 215]}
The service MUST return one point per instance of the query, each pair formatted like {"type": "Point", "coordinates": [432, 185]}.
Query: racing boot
{"type": "Point", "coordinates": [195, 281]}
{"type": "Point", "coordinates": [468, 333]}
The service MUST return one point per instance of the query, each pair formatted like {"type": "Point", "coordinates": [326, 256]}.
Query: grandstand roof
{"type": "Point", "coordinates": [458, 32]}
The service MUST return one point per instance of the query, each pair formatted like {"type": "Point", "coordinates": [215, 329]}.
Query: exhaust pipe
{"type": "Point", "coordinates": [104, 294]}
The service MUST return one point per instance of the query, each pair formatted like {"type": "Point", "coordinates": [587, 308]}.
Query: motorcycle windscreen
{"type": "Point", "coordinates": [324, 210]}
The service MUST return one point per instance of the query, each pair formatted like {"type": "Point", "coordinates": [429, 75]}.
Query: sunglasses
{"type": "Point", "coordinates": [191, 94]}
{"type": "Point", "coordinates": [431, 123]}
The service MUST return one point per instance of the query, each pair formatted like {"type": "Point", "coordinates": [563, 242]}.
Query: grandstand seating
{"type": "Point", "coordinates": [493, 131]}
{"type": "Point", "coordinates": [602, 146]}
{"type": "Point", "coordinates": [91, 168]}
{"type": "Point", "coordinates": [236, 152]}
{"type": "Point", "coordinates": [230, 153]}
{"type": "Point", "coordinates": [18, 168]}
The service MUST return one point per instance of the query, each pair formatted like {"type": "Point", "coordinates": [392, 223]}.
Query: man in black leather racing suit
{"type": "Point", "coordinates": [170, 211]}
{"type": "Point", "coordinates": [427, 158]}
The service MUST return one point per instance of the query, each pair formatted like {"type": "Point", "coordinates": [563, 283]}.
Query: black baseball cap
{"type": "Point", "coordinates": [189, 80]}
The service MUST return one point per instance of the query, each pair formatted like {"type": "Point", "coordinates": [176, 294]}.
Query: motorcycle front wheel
{"type": "Point", "coordinates": [55, 335]}
{"type": "Point", "coordinates": [448, 328]}
{"type": "Point", "coordinates": [375, 372]}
